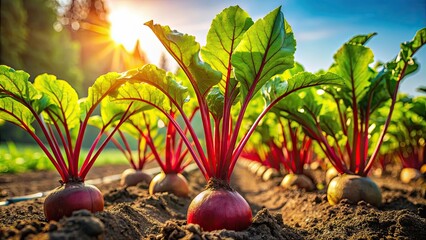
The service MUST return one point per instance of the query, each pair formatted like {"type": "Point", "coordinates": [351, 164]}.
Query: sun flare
{"type": "Point", "coordinates": [127, 27]}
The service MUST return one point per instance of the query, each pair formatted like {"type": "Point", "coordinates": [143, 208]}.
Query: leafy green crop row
{"type": "Point", "coordinates": [246, 71]}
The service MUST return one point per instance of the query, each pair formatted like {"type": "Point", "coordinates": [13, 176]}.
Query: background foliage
{"type": "Point", "coordinates": [63, 38]}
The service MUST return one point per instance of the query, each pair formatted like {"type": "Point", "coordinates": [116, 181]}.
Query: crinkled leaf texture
{"type": "Point", "coordinates": [18, 96]}
{"type": "Point", "coordinates": [301, 105]}
{"type": "Point", "coordinates": [151, 86]}
{"type": "Point", "coordinates": [142, 93]}
{"type": "Point", "coordinates": [103, 86]}
{"type": "Point", "coordinates": [383, 83]}
{"type": "Point", "coordinates": [164, 82]}
{"type": "Point", "coordinates": [226, 32]}
{"type": "Point", "coordinates": [215, 102]}
{"type": "Point", "coordinates": [351, 63]}
{"type": "Point", "coordinates": [24, 116]}
{"type": "Point", "coordinates": [278, 88]}
{"type": "Point", "coordinates": [16, 85]}
{"type": "Point", "coordinates": [63, 101]}
{"type": "Point", "coordinates": [185, 50]}
{"type": "Point", "coordinates": [265, 50]}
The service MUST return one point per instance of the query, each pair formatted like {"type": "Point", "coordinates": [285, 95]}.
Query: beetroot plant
{"type": "Point", "coordinates": [62, 118]}
{"type": "Point", "coordinates": [157, 140]}
{"type": "Point", "coordinates": [343, 129]}
{"type": "Point", "coordinates": [239, 58]}
{"type": "Point", "coordinates": [173, 160]}
{"type": "Point", "coordinates": [261, 160]}
{"type": "Point", "coordinates": [289, 143]}
{"type": "Point", "coordinates": [278, 139]}
{"type": "Point", "coordinates": [128, 132]}
{"type": "Point", "coordinates": [407, 134]}
{"type": "Point", "coordinates": [295, 152]}
{"type": "Point", "coordinates": [258, 152]}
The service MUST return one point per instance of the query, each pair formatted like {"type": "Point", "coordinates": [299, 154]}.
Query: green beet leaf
{"type": "Point", "coordinates": [191, 103]}
{"type": "Point", "coordinates": [112, 112]}
{"type": "Point", "coordinates": [140, 121]}
{"type": "Point", "coordinates": [404, 64]}
{"type": "Point", "coordinates": [377, 94]}
{"type": "Point", "coordinates": [391, 73]}
{"type": "Point", "coordinates": [351, 63]}
{"type": "Point", "coordinates": [163, 81]}
{"type": "Point", "coordinates": [16, 113]}
{"type": "Point", "coordinates": [142, 93]}
{"type": "Point", "coordinates": [16, 85]}
{"type": "Point", "coordinates": [185, 50]}
{"type": "Point", "coordinates": [278, 88]}
{"type": "Point", "coordinates": [408, 49]}
{"type": "Point", "coordinates": [287, 74]}
{"type": "Point", "coordinates": [215, 101]}
{"type": "Point", "coordinates": [63, 101]}
{"type": "Point", "coordinates": [103, 86]}
{"type": "Point", "coordinates": [20, 100]}
{"type": "Point", "coordinates": [265, 50]}
{"type": "Point", "coordinates": [302, 107]}
{"type": "Point", "coordinates": [226, 32]}
{"type": "Point", "coordinates": [330, 124]}
{"type": "Point", "coordinates": [361, 39]}
{"type": "Point", "coordinates": [96, 121]}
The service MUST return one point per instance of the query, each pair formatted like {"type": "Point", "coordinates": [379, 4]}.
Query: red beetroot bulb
{"type": "Point", "coordinates": [215, 209]}
{"type": "Point", "coordinates": [131, 177]}
{"type": "Point", "coordinates": [169, 182]}
{"type": "Point", "coordinates": [70, 197]}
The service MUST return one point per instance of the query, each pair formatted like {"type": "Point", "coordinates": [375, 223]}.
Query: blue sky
{"type": "Point", "coordinates": [320, 27]}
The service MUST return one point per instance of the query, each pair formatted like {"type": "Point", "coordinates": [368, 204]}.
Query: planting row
{"type": "Point", "coordinates": [251, 98]}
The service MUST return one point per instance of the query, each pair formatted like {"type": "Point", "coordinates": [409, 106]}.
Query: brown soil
{"type": "Point", "coordinates": [131, 213]}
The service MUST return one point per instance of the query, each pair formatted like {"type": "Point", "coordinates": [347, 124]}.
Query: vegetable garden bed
{"type": "Point", "coordinates": [246, 78]}
{"type": "Point", "coordinates": [278, 214]}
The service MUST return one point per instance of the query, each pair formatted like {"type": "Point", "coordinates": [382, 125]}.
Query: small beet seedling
{"type": "Point", "coordinates": [130, 129]}
{"type": "Point", "coordinates": [174, 162]}
{"type": "Point", "coordinates": [296, 152]}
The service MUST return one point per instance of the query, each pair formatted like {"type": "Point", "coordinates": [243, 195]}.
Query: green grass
{"type": "Point", "coordinates": [21, 158]}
